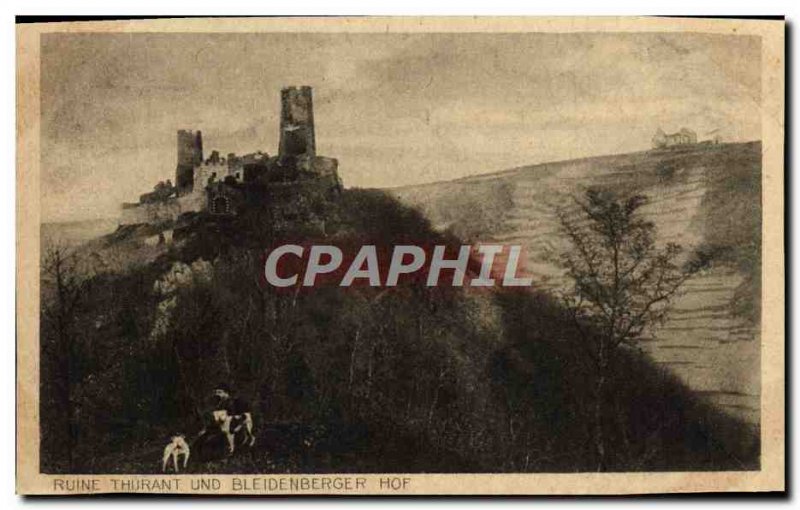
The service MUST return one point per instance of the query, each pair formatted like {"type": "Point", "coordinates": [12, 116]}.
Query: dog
{"type": "Point", "coordinates": [230, 425]}
{"type": "Point", "coordinates": [176, 447]}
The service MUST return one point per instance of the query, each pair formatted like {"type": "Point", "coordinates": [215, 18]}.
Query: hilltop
{"type": "Point", "coordinates": [364, 380]}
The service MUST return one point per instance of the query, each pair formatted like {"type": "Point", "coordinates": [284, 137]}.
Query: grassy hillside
{"type": "Point", "coordinates": [700, 195]}
{"type": "Point", "coordinates": [413, 379]}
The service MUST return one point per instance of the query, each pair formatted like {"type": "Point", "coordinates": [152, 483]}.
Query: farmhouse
{"type": "Point", "coordinates": [685, 136]}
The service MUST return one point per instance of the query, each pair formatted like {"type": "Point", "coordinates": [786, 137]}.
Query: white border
{"type": "Point", "coordinates": [235, 7]}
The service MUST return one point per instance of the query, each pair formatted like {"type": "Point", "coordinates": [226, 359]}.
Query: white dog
{"type": "Point", "coordinates": [176, 447]}
{"type": "Point", "coordinates": [230, 425]}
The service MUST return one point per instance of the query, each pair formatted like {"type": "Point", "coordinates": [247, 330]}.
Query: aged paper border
{"type": "Point", "coordinates": [771, 477]}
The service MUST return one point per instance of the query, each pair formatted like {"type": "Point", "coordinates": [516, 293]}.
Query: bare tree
{"type": "Point", "coordinates": [64, 290]}
{"type": "Point", "coordinates": [622, 282]}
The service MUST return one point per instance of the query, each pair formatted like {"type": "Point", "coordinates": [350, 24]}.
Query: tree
{"type": "Point", "coordinates": [622, 281]}
{"type": "Point", "coordinates": [64, 292]}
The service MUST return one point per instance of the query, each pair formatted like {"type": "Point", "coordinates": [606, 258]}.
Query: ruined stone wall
{"type": "Point", "coordinates": [319, 166]}
{"type": "Point", "coordinates": [208, 168]}
{"type": "Point", "coordinates": [225, 199]}
{"type": "Point", "coordinates": [296, 170]}
{"type": "Point", "coordinates": [235, 167]}
{"type": "Point", "coordinates": [166, 210]}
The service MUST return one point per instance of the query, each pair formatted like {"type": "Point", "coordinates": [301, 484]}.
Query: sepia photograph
{"type": "Point", "coordinates": [400, 256]}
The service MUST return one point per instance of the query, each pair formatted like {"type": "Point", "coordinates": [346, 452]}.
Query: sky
{"type": "Point", "coordinates": [394, 109]}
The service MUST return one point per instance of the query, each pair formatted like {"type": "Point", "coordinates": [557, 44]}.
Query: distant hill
{"type": "Point", "coordinates": [700, 195]}
{"type": "Point", "coordinates": [75, 232]}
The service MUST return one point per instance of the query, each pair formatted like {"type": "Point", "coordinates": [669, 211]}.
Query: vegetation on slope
{"type": "Point", "coordinates": [412, 379]}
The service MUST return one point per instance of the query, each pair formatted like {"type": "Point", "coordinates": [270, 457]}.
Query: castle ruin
{"type": "Point", "coordinates": [190, 155]}
{"type": "Point", "coordinates": [226, 186]}
{"type": "Point", "coordinates": [297, 123]}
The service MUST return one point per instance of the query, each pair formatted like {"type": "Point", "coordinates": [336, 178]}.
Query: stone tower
{"type": "Point", "coordinates": [297, 123]}
{"type": "Point", "coordinates": [190, 155]}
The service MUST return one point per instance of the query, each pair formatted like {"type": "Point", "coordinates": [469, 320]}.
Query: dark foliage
{"type": "Point", "coordinates": [364, 380]}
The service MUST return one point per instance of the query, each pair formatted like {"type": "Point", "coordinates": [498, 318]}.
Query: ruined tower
{"type": "Point", "coordinates": [297, 124]}
{"type": "Point", "coordinates": [190, 154]}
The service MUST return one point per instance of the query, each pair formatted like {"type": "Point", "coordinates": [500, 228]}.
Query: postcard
{"type": "Point", "coordinates": [400, 256]}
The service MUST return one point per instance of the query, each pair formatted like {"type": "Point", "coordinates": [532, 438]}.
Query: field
{"type": "Point", "coordinates": [706, 194]}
